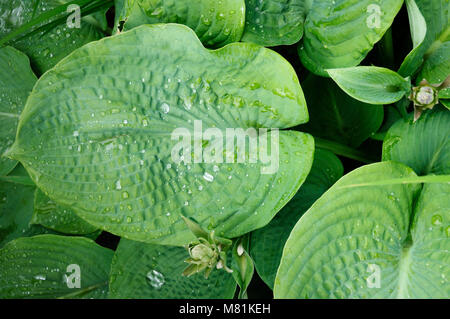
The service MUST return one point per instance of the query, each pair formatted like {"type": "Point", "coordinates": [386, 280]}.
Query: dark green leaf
{"type": "Point", "coordinates": [141, 270]}
{"type": "Point", "coordinates": [334, 115]}
{"type": "Point", "coordinates": [423, 145]}
{"type": "Point", "coordinates": [16, 82]}
{"type": "Point", "coordinates": [46, 266]}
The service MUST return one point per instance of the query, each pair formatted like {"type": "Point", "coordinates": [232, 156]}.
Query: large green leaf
{"type": "Point", "coordinates": [45, 49]}
{"type": "Point", "coordinates": [216, 22]}
{"type": "Point", "coordinates": [334, 115]}
{"type": "Point", "coordinates": [44, 266]}
{"type": "Point", "coordinates": [16, 209]}
{"type": "Point", "coordinates": [423, 145]}
{"type": "Point", "coordinates": [274, 22]}
{"type": "Point", "coordinates": [340, 33]}
{"type": "Point", "coordinates": [141, 270]}
{"type": "Point", "coordinates": [16, 82]}
{"type": "Point", "coordinates": [370, 84]}
{"type": "Point", "coordinates": [62, 219]}
{"type": "Point", "coordinates": [108, 156]}
{"type": "Point", "coordinates": [360, 242]}
{"type": "Point", "coordinates": [267, 243]}
{"type": "Point", "coordinates": [435, 13]}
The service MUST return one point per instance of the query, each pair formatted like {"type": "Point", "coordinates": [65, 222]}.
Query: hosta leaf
{"type": "Point", "coordinates": [45, 49]}
{"type": "Point", "coordinates": [436, 16]}
{"type": "Point", "coordinates": [334, 115]}
{"type": "Point", "coordinates": [357, 242]}
{"type": "Point", "coordinates": [108, 156]}
{"type": "Point", "coordinates": [49, 214]}
{"type": "Point", "coordinates": [16, 209]}
{"type": "Point", "coordinates": [216, 22]}
{"type": "Point", "coordinates": [274, 22]}
{"type": "Point", "coordinates": [267, 243]}
{"type": "Point", "coordinates": [436, 67]}
{"type": "Point", "coordinates": [340, 33]}
{"type": "Point", "coordinates": [45, 266]}
{"type": "Point", "coordinates": [16, 82]}
{"type": "Point", "coordinates": [142, 270]}
{"type": "Point", "coordinates": [423, 145]}
{"type": "Point", "coordinates": [370, 84]}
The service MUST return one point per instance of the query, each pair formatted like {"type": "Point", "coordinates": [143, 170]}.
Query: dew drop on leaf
{"type": "Point", "coordinates": [155, 279]}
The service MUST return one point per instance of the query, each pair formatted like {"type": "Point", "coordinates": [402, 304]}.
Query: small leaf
{"type": "Point", "coordinates": [51, 266]}
{"type": "Point", "coordinates": [142, 271]}
{"type": "Point", "coordinates": [242, 265]}
{"type": "Point", "coordinates": [273, 23]}
{"type": "Point", "coordinates": [215, 23]}
{"type": "Point", "coordinates": [371, 84]}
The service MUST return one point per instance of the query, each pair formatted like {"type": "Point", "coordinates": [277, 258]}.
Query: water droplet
{"type": "Point", "coordinates": [125, 195]}
{"type": "Point", "coordinates": [155, 279]}
{"type": "Point", "coordinates": [208, 177]}
{"type": "Point", "coordinates": [436, 220]}
{"type": "Point", "coordinates": [118, 186]}
{"type": "Point", "coordinates": [165, 108]}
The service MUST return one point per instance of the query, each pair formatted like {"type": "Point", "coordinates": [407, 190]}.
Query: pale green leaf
{"type": "Point", "coordinates": [109, 157]}
{"type": "Point", "coordinates": [361, 242]}
{"type": "Point", "coordinates": [370, 84]}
